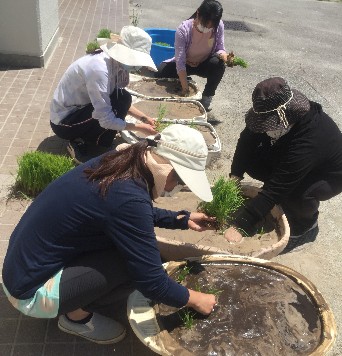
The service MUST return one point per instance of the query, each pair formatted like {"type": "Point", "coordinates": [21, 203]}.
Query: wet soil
{"type": "Point", "coordinates": [174, 110]}
{"type": "Point", "coordinates": [259, 311]}
{"type": "Point", "coordinates": [159, 87]}
{"type": "Point", "coordinates": [188, 201]}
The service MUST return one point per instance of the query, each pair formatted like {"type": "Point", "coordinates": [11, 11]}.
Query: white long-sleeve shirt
{"type": "Point", "coordinates": [90, 79]}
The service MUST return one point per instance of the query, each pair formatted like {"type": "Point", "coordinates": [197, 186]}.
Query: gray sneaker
{"type": "Point", "coordinates": [99, 329]}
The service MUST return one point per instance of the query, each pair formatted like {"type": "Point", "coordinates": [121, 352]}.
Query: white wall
{"type": "Point", "coordinates": [27, 29]}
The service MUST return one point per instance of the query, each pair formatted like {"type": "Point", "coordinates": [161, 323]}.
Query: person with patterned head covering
{"type": "Point", "coordinates": [295, 149]}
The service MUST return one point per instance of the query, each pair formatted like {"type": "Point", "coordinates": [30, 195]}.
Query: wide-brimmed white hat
{"type": "Point", "coordinates": [132, 48]}
{"type": "Point", "coordinates": [187, 152]}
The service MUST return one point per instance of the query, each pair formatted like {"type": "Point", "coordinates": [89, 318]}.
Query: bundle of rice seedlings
{"type": "Point", "coordinates": [92, 47]}
{"type": "Point", "coordinates": [104, 33]}
{"type": "Point", "coordinates": [38, 169]}
{"type": "Point", "coordinates": [227, 199]}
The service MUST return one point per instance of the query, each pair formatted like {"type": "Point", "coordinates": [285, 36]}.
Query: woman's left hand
{"type": "Point", "coordinates": [200, 222]}
{"type": "Point", "coordinates": [149, 120]}
{"type": "Point", "coordinates": [223, 56]}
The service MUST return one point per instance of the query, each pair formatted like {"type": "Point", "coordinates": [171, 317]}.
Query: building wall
{"type": "Point", "coordinates": [28, 30]}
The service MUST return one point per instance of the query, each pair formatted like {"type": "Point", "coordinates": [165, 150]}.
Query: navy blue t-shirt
{"type": "Point", "coordinates": [70, 217]}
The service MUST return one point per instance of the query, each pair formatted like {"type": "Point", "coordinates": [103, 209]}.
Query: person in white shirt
{"type": "Point", "coordinates": [90, 103]}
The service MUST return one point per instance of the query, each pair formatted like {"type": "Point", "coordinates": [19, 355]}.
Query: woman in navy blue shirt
{"type": "Point", "coordinates": [88, 239]}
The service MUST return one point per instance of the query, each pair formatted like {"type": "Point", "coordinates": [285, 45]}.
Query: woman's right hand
{"type": "Point", "coordinates": [201, 302]}
{"type": "Point", "coordinates": [185, 92]}
{"type": "Point", "coordinates": [147, 129]}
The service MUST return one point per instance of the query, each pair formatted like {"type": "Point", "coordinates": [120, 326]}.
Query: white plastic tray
{"type": "Point", "coordinates": [214, 150]}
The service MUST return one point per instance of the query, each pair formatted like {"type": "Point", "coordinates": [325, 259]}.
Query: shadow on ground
{"type": "Point", "coordinates": [53, 144]}
{"type": "Point", "coordinates": [21, 335]}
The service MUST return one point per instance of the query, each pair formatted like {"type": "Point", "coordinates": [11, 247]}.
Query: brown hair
{"type": "Point", "coordinates": [126, 164]}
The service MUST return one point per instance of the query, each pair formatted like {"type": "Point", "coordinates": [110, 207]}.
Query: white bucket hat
{"type": "Point", "coordinates": [132, 48]}
{"type": "Point", "coordinates": [187, 152]}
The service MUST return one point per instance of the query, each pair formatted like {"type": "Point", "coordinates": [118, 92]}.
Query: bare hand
{"type": "Point", "coordinates": [148, 120]}
{"type": "Point", "coordinates": [147, 129]}
{"type": "Point", "coordinates": [227, 58]}
{"type": "Point", "coordinates": [200, 222]}
{"type": "Point", "coordinates": [223, 57]}
{"type": "Point", "coordinates": [201, 302]}
{"type": "Point", "coordinates": [151, 121]}
{"type": "Point", "coordinates": [232, 235]}
{"type": "Point", "coordinates": [185, 92]}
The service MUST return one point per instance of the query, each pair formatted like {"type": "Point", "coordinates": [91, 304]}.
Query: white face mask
{"type": "Point", "coordinates": [130, 68]}
{"type": "Point", "coordinates": [276, 134]}
{"type": "Point", "coordinates": [174, 191]}
{"type": "Point", "coordinates": [203, 29]}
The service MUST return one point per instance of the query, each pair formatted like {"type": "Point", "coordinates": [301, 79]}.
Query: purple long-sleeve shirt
{"type": "Point", "coordinates": [183, 41]}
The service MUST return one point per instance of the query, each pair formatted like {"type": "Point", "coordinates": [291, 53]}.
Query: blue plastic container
{"type": "Point", "coordinates": [160, 53]}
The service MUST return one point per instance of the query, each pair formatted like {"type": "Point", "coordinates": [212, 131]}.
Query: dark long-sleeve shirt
{"type": "Point", "coordinates": [312, 147]}
{"type": "Point", "coordinates": [70, 217]}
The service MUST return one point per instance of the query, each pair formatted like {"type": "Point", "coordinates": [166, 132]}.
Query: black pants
{"type": "Point", "coordinates": [212, 69]}
{"type": "Point", "coordinates": [96, 282]}
{"type": "Point", "coordinates": [80, 123]}
{"type": "Point", "coordinates": [301, 206]}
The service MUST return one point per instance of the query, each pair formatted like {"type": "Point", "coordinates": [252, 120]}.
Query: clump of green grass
{"type": "Point", "coordinates": [38, 169]}
{"type": "Point", "coordinates": [92, 47]}
{"type": "Point", "coordinates": [182, 273]}
{"type": "Point", "coordinates": [187, 318]}
{"type": "Point", "coordinates": [227, 198]}
{"type": "Point", "coordinates": [104, 33]}
{"type": "Point", "coordinates": [238, 61]}
{"type": "Point", "coordinates": [164, 44]}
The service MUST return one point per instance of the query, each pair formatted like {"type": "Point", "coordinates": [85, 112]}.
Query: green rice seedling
{"type": "Point", "coordinates": [182, 273]}
{"type": "Point", "coordinates": [197, 287]}
{"type": "Point", "coordinates": [215, 291]}
{"type": "Point", "coordinates": [104, 33]}
{"type": "Point", "coordinates": [227, 198]}
{"type": "Point", "coordinates": [261, 231]}
{"type": "Point", "coordinates": [160, 126]}
{"type": "Point", "coordinates": [238, 61]}
{"type": "Point", "coordinates": [193, 125]}
{"type": "Point", "coordinates": [164, 44]}
{"type": "Point", "coordinates": [38, 169]}
{"type": "Point", "coordinates": [92, 47]}
{"type": "Point", "coordinates": [161, 112]}
{"type": "Point", "coordinates": [187, 318]}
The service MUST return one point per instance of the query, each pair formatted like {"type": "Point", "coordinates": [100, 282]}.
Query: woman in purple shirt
{"type": "Point", "coordinates": [199, 43]}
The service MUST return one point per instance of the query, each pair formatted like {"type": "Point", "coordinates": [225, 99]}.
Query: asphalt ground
{"type": "Point", "coordinates": [299, 40]}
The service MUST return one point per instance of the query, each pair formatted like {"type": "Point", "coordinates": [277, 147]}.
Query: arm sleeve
{"type": "Point", "coordinates": [245, 146]}
{"type": "Point", "coordinates": [98, 88]}
{"type": "Point", "coordinates": [133, 234]}
{"type": "Point", "coordinates": [293, 166]}
{"type": "Point", "coordinates": [180, 48]}
{"type": "Point", "coordinates": [219, 46]}
{"type": "Point", "coordinates": [168, 219]}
